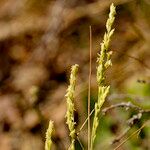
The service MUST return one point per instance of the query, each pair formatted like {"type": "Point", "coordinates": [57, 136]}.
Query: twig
{"type": "Point", "coordinates": [117, 139]}
{"type": "Point", "coordinates": [132, 135]}
{"type": "Point", "coordinates": [130, 121]}
{"type": "Point", "coordinates": [122, 104]}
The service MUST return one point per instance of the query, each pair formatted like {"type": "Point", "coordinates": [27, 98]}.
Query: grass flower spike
{"type": "Point", "coordinates": [70, 105]}
{"type": "Point", "coordinates": [48, 142]}
{"type": "Point", "coordinates": [104, 62]}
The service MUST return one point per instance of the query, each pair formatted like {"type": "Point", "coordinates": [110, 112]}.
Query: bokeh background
{"type": "Point", "coordinates": [40, 40]}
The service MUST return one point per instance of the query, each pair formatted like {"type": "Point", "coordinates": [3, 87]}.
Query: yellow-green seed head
{"type": "Point", "coordinates": [70, 104]}
{"type": "Point", "coordinates": [104, 61]}
{"type": "Point", "coordinates": [48, 142]}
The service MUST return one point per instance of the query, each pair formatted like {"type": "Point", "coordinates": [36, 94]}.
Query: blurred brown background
{"type": "Point", "coordinates": [40, 40]}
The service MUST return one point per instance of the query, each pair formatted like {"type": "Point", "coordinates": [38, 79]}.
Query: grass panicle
{"type": "Point", "coordinates": [48, 142]}
{"type": "Point", "coordinates": [70, 105]}
{"type": "Point", "coordinates": [104, 61]}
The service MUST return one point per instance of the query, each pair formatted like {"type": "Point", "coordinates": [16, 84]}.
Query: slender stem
{"type": "Point", "coordinates": [85, 121]}
{"type": "Point", "coordinates": [89, 89]}
{"type": "Point", "coordinates": [80, 143]}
